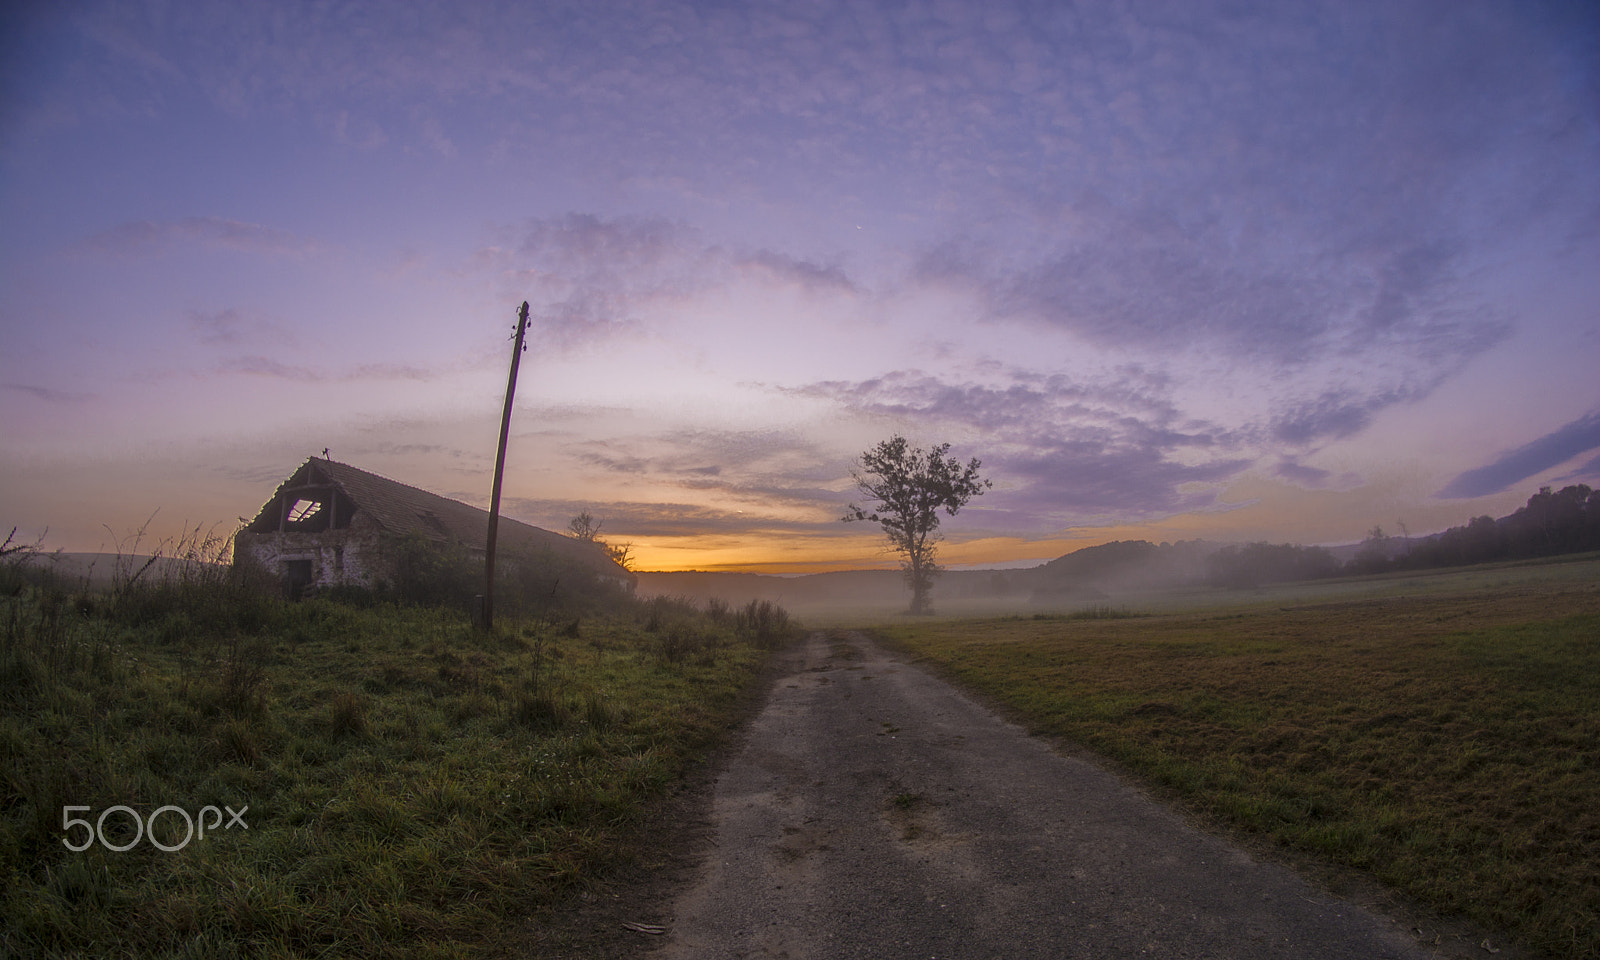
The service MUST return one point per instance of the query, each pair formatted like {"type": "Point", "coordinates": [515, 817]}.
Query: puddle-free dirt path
{"type": "Point", "coordinates": [874, 811]}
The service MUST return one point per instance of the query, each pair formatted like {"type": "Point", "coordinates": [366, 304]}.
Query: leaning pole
{"type": "Point", "coordinates": [499, 471]}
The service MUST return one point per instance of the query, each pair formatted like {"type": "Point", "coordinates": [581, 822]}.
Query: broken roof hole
{"type": "Point", "coordinates": [303, 510]}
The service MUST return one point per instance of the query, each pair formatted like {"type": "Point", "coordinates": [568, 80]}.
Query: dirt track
{"type": "Point", "coordinates": [874, 811]}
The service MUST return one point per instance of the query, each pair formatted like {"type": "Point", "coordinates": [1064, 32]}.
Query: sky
{"type": "Point", "coordinates": [1171, 270]}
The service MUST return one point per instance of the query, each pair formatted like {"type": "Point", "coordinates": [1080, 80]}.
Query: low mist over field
{"type": "Point", "coordinates": [1141, 575]}
{"type": "Point", "coordinates": [1256, 272]}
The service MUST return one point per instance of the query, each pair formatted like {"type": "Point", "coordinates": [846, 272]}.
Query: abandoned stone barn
{"type": "Point", "coordinates": [331, 524]}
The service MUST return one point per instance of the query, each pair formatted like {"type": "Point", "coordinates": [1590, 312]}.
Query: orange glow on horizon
{"type": "Point", "coordinates": [771, 554]}
{"type": "Point", "coordinates": [802, 555]}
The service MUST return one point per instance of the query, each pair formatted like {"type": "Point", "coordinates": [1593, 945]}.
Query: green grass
{"type": "Point", "coordinates": [1447, 742]}
{"type": "Point", "coordinates": [414, 787]}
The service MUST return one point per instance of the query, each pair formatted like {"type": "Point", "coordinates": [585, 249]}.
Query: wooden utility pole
{"type": "Point", "coordinates": [499, 471]}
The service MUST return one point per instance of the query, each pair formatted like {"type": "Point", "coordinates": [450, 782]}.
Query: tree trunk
{"type": "Point", "coordinates": [920, 585]}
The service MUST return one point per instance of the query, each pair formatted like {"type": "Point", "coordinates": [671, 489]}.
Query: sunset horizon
{"type": "Point", "coordinates": [866, 549]}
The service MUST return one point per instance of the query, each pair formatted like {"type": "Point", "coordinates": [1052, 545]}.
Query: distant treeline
{"type": "Point", "coordinates": [1565, 521]}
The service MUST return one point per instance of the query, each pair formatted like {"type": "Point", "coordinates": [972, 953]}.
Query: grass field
{"type": "Point", "coordinates": [1441, 733]}
{"type": "Point", "coordinates": [414, 787]}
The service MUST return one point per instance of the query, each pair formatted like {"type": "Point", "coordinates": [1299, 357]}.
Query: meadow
{"type": "Point", "coordinates": [197, 769]}
{"type": "Point", "coordinates": [1437, 732]}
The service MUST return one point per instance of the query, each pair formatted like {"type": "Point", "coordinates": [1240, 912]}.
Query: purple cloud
{"type": "Point", "coordinates": [262, 366]}
{"type": "Point", "coordinates": [633, 465]}
{"type": "Point", "coordinates": [268, 367]}
{"type": "Point", "coordinates": [225, 327]}
{"type": "Point", "coordinates": [802, 273]}
{"type": "Point", "coordinates": [1107, 478]}
{"type": "Point", "coordinates": [1303, 475]}
{"type": "Point", "coordinates": [1588, 471]}
{"type": "Point", "coordinates": [1513, 466]}
{"type": "Point", "coordinates": [581, 243]}
{"type": "Point", "coordinates": [47, 394]}
{"type": "Point", "coordinates": [590, 278]}
{"type": "Point", "coordinates": [759, 467]}
{"type": "Point", "coordinates": [147, 237]}
{"type": "Point", "coordinates": [1068, 451]}
{"type": "Point", "coordinates": [1140, 285]}
{"type": "Point", "coordinates": [624, 519]}
{"type": "Point", "coordinates": [1336, 414]}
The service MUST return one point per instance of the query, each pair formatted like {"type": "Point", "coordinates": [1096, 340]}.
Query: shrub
{"type": "Point", "coordinates": [719, 611]}
{"type": "Point", "coordinates": [764, 622]}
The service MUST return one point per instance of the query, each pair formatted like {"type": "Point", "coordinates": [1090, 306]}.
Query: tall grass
{"type": "Point", "coordinates": [413, 785]}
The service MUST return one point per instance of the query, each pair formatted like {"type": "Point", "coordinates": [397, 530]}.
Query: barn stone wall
{"type": "Point", "coordinates": [349, 556]}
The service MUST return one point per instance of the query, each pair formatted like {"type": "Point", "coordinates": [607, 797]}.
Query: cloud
{"type": "Point", "coordinates": [589, 278]}
{"type": "Point", "coordinates": [388, 371]}
{"type": "Point", "coordinates": [1065, 451]}
{"type": "Point", "coordinates": [1303, 475]}
{"type": "Point", "coordinates": [1340, 413]}
{"type": "Point", "coordinates": [48, 394]}
{"type": "Point", "coordinates": [1330, 416]}
{"type": "Point", "coordinates": [1119, 280]}
{"type": "Point", "coordinates": [262, 366]}
{"type": "Point", "coordinates": [802, 273]}
{"type": "Point", "coordinates": [232, 329]}
{"type": "Point", "coordinates": [625, 519]}
{"type": "Point", "coordinates": [1021, 403]}
{"type": "Point", "coordinates": [582, 244]}
{"type": "Point", "coordinates": [633, 465]}
{"type": "Point", "coordinates": [149, 237]}
{"type": "Point", "coordinates": [223, 328]}
{"type": "Point", "coordinates": [1110, 479]}
{"type": "Point", "coordinates": [768, 469]}
{"type": "Point", "coordinates": [267, 367]}
{"type": "Point", "coordinates": [938, 103]}
{"type": "Point", "coordinates": [1513, 466]}
{"type": "Point", "coordinates": [271, 473]}
{"type": "Point", "coordinates": [1124, 289]}
{"type": "Point", "coordinates": [1337, 336]}
{"type": "Point", "coordinates": [1588, 471]}
{"type": "Point", "coordinates": [591, 315]}
{"type": "Point", "coordinates": [389, 449]}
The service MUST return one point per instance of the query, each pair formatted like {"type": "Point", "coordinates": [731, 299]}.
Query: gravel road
{"type": "Point", "coordinates": [874, 811]}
